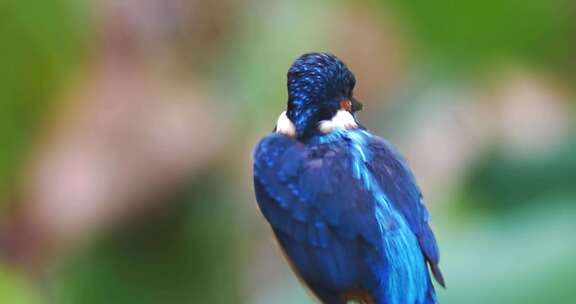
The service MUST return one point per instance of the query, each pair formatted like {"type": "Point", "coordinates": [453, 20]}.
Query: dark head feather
{"type": "Point", "coordinates": [317, 82]}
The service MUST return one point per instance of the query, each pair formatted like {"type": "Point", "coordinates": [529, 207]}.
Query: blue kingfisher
{"type": "Point", "coordinates": [342, 202]}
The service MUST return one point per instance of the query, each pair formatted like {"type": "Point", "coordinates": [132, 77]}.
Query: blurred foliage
{"type": "Point", "coordinates": [513, 238]}
{"type": "Point", "coordinates": [15, 289]}
{"type": "Point", "coordinates": [480, 34]}
{"type": "Point", "coordinates": [41, 44]}
{"type": "Point", "coordinates": [523, 255]}
{"type": "Point", "coordinates": [502, 181]}
{"type": "Point", "coordinates": [184, 254]}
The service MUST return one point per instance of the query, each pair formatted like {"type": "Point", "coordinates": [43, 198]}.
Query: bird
{"type": "Point", "coordinates": [342, 203]}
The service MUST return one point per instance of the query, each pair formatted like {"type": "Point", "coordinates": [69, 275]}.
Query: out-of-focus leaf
{"type": "Point", "coordinates": [14, 289]}
{"type": "Point", "coordinates": [40, 41]}
{"type": "Point", "coordinates": [186, 254]}
{"type": "Point", "coordinates": [502, 182]}
{"type": "Point", "coordinates": [478, 33]}
{"type": "Point", "coordinates": [523, 256]}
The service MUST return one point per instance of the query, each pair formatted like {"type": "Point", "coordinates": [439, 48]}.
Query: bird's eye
{"type": "Point", "coordinates": [346, 104]}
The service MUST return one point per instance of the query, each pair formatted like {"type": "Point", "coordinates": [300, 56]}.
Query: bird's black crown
{"type": "Point", "coordinates": [317, 82]}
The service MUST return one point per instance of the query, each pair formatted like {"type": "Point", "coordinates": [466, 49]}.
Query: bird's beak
{"type": "Point", "coordinates": [356, 105]}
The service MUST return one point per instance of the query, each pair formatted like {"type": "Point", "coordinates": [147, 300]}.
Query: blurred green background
{"type": "Point", "coordinates": [127, 128]}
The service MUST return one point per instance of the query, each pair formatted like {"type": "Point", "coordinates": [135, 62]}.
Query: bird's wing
{"type": "Point", "coordinates": [309, 193]}
{"type": "Point", "coordinates": [397, 181]}
{"type": "Point", "coordinates": [312, 194]}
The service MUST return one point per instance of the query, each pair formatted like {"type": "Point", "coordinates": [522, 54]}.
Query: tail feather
{"type": "Point", "coordinates": [437, 274]}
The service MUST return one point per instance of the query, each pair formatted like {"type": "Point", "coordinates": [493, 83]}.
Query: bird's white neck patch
{"type": "Point", "coordinates": [285, 126]}
{"type": "Point", "coordinates": [343, 120]}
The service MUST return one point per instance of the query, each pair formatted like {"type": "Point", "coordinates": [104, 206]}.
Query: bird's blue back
{"type": "Point", "coordinates": [349, 216]}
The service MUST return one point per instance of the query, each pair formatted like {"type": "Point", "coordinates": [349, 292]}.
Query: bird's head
{"type": "Point", "coordinates": [319, 87]}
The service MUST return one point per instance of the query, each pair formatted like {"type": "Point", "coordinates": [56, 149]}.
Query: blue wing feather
{"type": "Point", "coordinates": [312, 188]}
{"type": "Point", "coordinates": [399, 183]}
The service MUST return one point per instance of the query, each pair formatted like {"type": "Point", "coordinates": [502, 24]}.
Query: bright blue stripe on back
{"type": "Point", "coordinates": [407, 280]}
